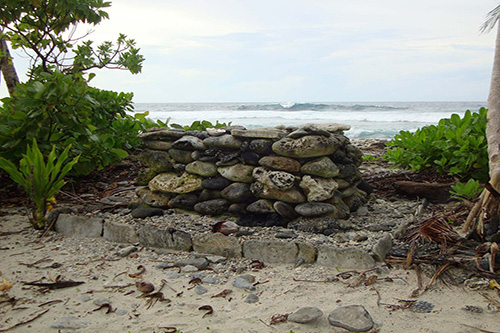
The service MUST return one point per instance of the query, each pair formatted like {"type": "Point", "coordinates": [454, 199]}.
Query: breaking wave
{"type": "Point", "coordinates": [316, 107]}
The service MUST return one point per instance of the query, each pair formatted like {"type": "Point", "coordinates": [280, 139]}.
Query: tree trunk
{"type": "Point", "coordinates": [7, 68]}
{"type": "Point", "coordinates": [488, 205]}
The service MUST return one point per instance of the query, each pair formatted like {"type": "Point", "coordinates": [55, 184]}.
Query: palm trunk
{"type": "Point", "coordinates": [493, 122]}
{"type": "Point", "coordinates": [7, 68]}
{"type": "Point", "coordinates": [488, 205]}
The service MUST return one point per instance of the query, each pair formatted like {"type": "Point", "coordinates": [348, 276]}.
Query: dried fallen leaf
{"type": "Point", "coordinates": [257, 264]}
{"type": "Point", "coordinates": [5, 285]}
{"type": "Point", "coordinates": [279, 318]}
{"type": "Point", "coordinates": [371, 280]}
{"type": "Point", "coordinates": [223, 293]}
{"type": "Point", "coordinates": [168, 329]}
{"type": "Point", "coordinates": [141, 270]}
{"type": "Point", "coordinates": [105, 305]}
{"type": "Point", "coordinates": [209, 309]}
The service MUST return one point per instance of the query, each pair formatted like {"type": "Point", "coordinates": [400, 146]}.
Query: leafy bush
{"type": "Point", "coordinates": [456, 146]}
{"type": "Point", "coordinates": [61, 109]}
{"type": "Point", "coordinates": [468, 190]}
{"type": "Point", "coordinates": [200, 125]}
{"type": "Point", "coordinates": [42, 181]}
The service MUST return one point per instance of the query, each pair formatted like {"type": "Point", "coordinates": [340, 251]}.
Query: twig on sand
{"type": "Point", "coordinates": [479, 329]}
{"type": "Point", "coordinates": [38, 315]}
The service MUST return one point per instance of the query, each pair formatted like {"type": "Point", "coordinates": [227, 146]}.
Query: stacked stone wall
{"type": "Point", "coordinates": [265, 176]}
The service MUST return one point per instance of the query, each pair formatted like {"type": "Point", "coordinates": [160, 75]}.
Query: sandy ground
{"type": "Point", "coordinates": [281, 289]}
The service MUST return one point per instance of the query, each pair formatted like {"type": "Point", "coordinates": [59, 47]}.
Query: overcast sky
{"type": "Point", "coordinates": [298, 51]}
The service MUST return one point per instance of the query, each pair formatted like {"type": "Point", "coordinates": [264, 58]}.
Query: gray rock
{"type": "Point", "coordinates": [184, 201]}
{"type": "Point", "coordinates": [318, 189]}
{"type": "Point", "coordinates": [261, 146]}
{"type": "Point", "coordinates": [121, 312]}
{"type": "Point", "coordinates": [250, 158]}
{"type": "Point", "coordinates": [271, 251]}
{"type": "Point", "coordinates": [189, 269]}
{"type": "Point", "coordinates": [308, 130]}
{"type": "Point", "coordinates": [143, 212]}
{"type": "Point", "coordinates": [102, 301]}
{"type": "Point", "coordinates": [354, 318]}
{"type": "Point", "coordinates": [157, 145]}
{"type": "Point", "coordinates": [261, 206]}
{"type": "Point", "coordinates": [285, 210]}
{"type": "Point", "coordinates": [181, 156]}
{"type": "Point", "coordinates": [204, 169]}
{"type": "Point", "coordinates": [249, 277]}
{"type": "Point", "coordinates": [174, 183]}
{"type": "Point", "coordinates": [331, 127]}
{"type": "Point", "coordinates": [305, 315]}
{"type": "Point", "coordinates": [238, 208]}
{"type": "Point", "coordinates": [163, 134]}
{"type": "Point", "coordinates": [280, 163]}
{"type": "Point", "coordinates": [70, 322]}
{"type": "Point", "coordinates": [119, 232]}
{"type": "Point", "coordinates": [200, 290]}
{"type": "Point", "coordinates": [224, 141]}
{"type": "Point", "coordinates": [265, 192]}
{"type": "Point", "coordinates": [313, 209]}
{"type": "Point", "coordinates": [348, 258]}
{"type": "Point", "coordinates": [237, 173]}
{"type": "Point", "coordinates": [157, 161]}
{"type": "Point", "coordinates": [206, 195]}
{"type": "Point", "coordinates": [218, 244]}
{"type": "Point", "coordinates": [307, 146]}
{"type": "Point", "coordinates": [286, 234]}
{"type": "Point", "coordinates": [322, 167]}
{"type": "Point", "coordinates": [251, 298]}
{"type": "Point", "coordinates": [196, 262]}
{"type": "Point", "coordinates": [79, 226]}
{"type": "Point", "coordinates": [237, 192]}
{"type": "Point", "coordinates": [382, 247]}
{"type": "Point", "coordinates": [126, 251]}
{"type": "Point", "coordinates": [279, 180]}
{"type": "Point", "coordinates": [153, 199]}
{"type": "Point", "coordinates": [211, 280]}
{"type": "Point", "coordinates": [244, 284]}
{"type": "Point", "coordinates": [164, 238]}
{"type": "Point", "coordinates": [350, 173]}
{"type": "Point", "coordinates": [212, 207]}
{"type": "Point", "coordinates": [355, 201]}
{"type": "Point", "coordinates": [189, 142]}
{"type": "Point", "coordinates": [259, 133]}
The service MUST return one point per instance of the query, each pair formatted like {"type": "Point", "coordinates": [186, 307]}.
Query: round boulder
{"type": "Point", "coordinates": [313, 209]}
{"type": "Point", "coordinates": [170, 182]}
{"type": "Point", "coordinates": [280, 163]}
{"type": "Point", "coordinates": [279, 180]}
{"type": "Point", "coordinates": [204, 169]}
{"type": "Point", "coordinates": [306, 146]}
{"type": "Point", "coordinates": [237, 173]}
{"type": "Point", "coordinates": [323, 167]}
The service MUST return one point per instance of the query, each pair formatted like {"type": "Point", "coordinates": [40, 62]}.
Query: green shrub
{"type": "Point", "coordinates": [61, 109]}
{"type": "Point", "coordinates": [41, 181]}
{"type": "Point", "coordinates": [200, 125]}
{"type": "Point", "coordinates": [456, 146]}
{"type": "Point", "coordinates": [469, 190]}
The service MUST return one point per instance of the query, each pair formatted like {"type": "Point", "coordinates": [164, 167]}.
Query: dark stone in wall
{"type": "Point", "coordinates": [261, 220]}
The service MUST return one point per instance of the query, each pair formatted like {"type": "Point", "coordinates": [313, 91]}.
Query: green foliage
{"type": "Point", "coordinates": [469, 190]}
{"type": "Point", "coordinates": [200, 125]}
{"type": "Point", "coordinates": [61, 109]}
{"type": "Point", "coordinates": [43, 30]}
{"type": "Point", "coordinates": [456, 146]}
{"type": "Point", "coordinates": [370, 158]}
{"type": "Point", "coordinates": [42, 181]}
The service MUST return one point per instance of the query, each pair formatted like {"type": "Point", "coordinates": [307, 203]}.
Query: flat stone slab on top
{"type": "Point", "coordinates": [259, 133]}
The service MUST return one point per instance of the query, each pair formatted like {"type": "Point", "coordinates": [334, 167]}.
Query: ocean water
{"type": "Point", "coordinates": [367, 120]}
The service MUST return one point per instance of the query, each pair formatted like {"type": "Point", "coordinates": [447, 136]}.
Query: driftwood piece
{"type": "Point", "coordinates": [433, 192]}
